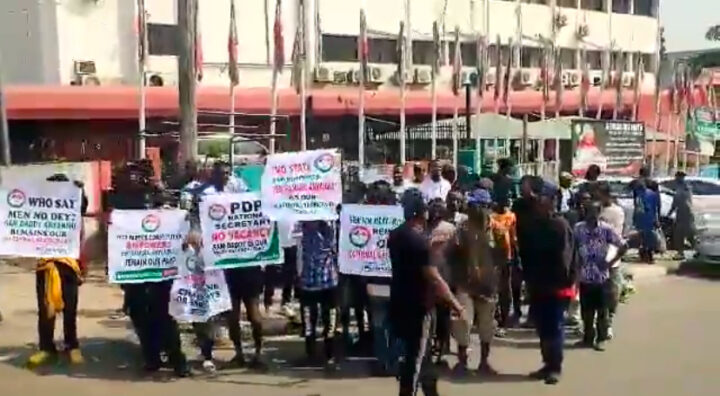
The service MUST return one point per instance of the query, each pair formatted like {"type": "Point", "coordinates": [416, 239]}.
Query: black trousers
{"type": "Point", "coordinates": [204, 334]}
{"type": "Point", "coordinates": [356, 297]}
{"type": "Point", "coordinates": [147, 304]}
{"type": "Point", "coordinates": [442, 330]}
{"type": "Point", "coordinates": [595, 306]}
{"type": "Point", "coordinates": [509, 292]}
{"type": "Point", "coordinates": [417, 368]}
{"type": "Point", "coordinates": [46, 325]}
{"type": "Point", "coordinates": [284, 275]}
{"type": "Point", "coordinates": [321, 302]}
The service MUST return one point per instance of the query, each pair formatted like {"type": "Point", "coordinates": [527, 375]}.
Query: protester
{"type": "Point", "coordinates": [503, 225]}
{"type": "Point", "coordinates": [435, 186]}
{"type": "Point", "coordinates": [289, 233]}
{"type": "Point", "coordinates": [57, 283]}
{"type": "Point", "coordinates": [455, 208]}
{"type": "Point", "coordinates": [475, 281]}
{"type": "Point", "coordinates": [415, 284]}
{"type": "Point", "coordinates": [448, 173]}
{"type": "Point", "coordinates": [440, 233]}
{"type": "Point", "coordinates": [318, 286]}
{"type": "Point", "coordinates": [418, 175]}
{"type": "Point", "coordinates": [565, 197]}
{"type": "Point", "coordinates": [599, 248]}
{"type": "Point", "coordinates": [614, 215]}
{"type": "Point", "coordinates": [646, 219]}
{"type": "Point", "coordinates": [399, 183]}
{"type": "Point", "coordinates": [503, 184]}
{"type": "Point", "coordinates": [682, 206]}
{"type": "Point", "coordinates": [523, 210]}
{"type": "Point", "coordinates": [549, 258]}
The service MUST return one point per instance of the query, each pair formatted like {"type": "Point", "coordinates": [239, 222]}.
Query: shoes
{"type": "Point", "coordinates": [539, 374]}
{"type": "Point", "coordinates": [209, 367]}
{"type": "Point", "coordinates": [610, 333]}
{"type": "Point", "coordinates": [238, 361]}
{"type": "Point", "coordinates": [258, 365]}
{"type": "Point", "coordinates": [599, 346]}
{"type": "Point", "coordinates": [486, 370]}
{"type": "Point", "coordinates": [552, 378]}
{"type": "Point", "coordinates": [584, 344]}
{"type": "Point", "coordinates": [460, 370]}
{"type": "Point", "coordinates": [40, 358]}
{"type": "Point", "coordinates": [331, 366]}
{"type": "Point", "coordinates": [500, 333]}
{"type": "Point", "coordinates": [76, 357]}
{"type": "Point", "coordinates": [183, 372]}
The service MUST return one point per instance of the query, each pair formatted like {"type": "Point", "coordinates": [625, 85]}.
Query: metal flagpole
{"type": "Point", "coordinates": [142, 58]}
{"type": "Point", "coordinates": [303, 64]}
{"type": "Point", "coordinates": [278, 63]}
{"type": "Point", "coordinates": [457, 83]}
{"type": "Point", "coordinates": [402, 53]}
{"type": "Point", "coordinates": [5, 158]}
{"type": "Point", "coordinates": [433, 89]}
{"type": "Point", "coordinates": [362, 54]}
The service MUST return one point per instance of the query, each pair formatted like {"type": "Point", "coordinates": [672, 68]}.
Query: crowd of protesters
{"type": "Point", "coordinates": [471, 254]}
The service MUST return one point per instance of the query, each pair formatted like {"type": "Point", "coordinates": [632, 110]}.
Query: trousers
{"type": "Point", "coordinates": [46, 326]}
{"type": "Point", "coordinates": [312, 303]}
{"type": "Point", "coordinates": [417, 368]}
{"type": "Point", "coordinates": [549, 315]}
{"type": "Point", "coordinates": [595, 306]}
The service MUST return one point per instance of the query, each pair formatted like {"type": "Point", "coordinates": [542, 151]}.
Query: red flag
{"type": "Point", "coordinates": [198, 47]}
{"type": "Point", "coordinates": [437, 49]}
{"type": "Point", "coordinates": [559, 87]}
{"type": "Point", "coordinates": [363, 48]}
{"type": "Point", "coordinates": [232, 48]}
{"type": "Point", "coordinates": [457, 63]}
{"type": "Point", "coordinates": [481, 63]}
{"type": "Point", "coordinates": [545, 74]}
{"type": "Point", "coordinates": [689, 88]}
{"type": "Point", "coordinates": [508, 73]}
{"type": "Point", "coordinates": [278, 39]}
{"type": "Point", "coordinates": [298, 52]}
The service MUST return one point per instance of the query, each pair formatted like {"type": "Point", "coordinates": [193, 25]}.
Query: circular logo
{"type": "Point", "coordinates": [360, 236]}
{"type": "Point", "coordinates": [324, 162]}
{"type": "Point", "coordinates": [16, 198]}
{"type": "Point", "coordinates": [193, 265]}
{"type": "Point", "coordinates": [150, 223]}
{"type": "Point", "coordinates": [216, 211]}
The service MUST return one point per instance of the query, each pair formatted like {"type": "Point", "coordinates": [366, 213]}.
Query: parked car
{"type": "Point", "coordinates": [707, 239]}
{"type": "Point", "coordinates": [706, 192]}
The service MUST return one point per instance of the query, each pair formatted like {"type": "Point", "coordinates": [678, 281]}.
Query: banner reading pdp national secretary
{"type": "Point", "coordinates": [40, 219]}
{"type": "Point", "coordinates": [302, 186]}
{"type": "Point", "coordinates": [364, 230]}
{"type": "Point", "coordinates": [146, 245]}
{"type": "Point", "coordinates": [236, 232]}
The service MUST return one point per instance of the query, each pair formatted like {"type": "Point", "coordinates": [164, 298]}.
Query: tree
{"type": "Point", "coordinates": [713, 33]}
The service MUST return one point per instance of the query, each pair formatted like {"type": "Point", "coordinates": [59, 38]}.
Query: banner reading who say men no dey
{"type": "Point", "coordinates": [300, 186]}
{"type": "Point", "coordinates": [145, 245]}
{"type": "Point", "coordinates": [364, 230]}
{"type": "Point", "coordinates": [236, 232]}
{"type": "Point", "coordinates": [40, 220]}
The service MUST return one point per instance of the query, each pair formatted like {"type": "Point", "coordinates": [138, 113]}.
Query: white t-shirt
{"type": "Point", "coordinates": [431, 189]}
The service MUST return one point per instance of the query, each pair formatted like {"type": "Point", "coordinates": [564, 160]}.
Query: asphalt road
{"type": "Point", "coordinates": [666, 344]}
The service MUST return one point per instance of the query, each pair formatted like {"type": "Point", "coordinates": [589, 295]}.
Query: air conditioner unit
{"type": "Point", "coordinates": [407, 77]}
{"type": "Point", "coordinates": [324, 74]}
{"type": "Point", "coordinates": [628, 80]}
{"type": "Point", "coordinates": [468, 77]}
{"type": "Point", "coordinates": [423, 75]}
{"type": "Point", "coordinates": [89, 79]}
{"type": "Point", "coordinates": [527, 77]}
{"type": "Point", "coordinates": [375, 74]}
{"type": "Point", "coordinates": [84, 68]}
{"type": "Point", "coordinates": [353, 76]}
{"type": "Point", "coordinates": [340, 77]}
{"type": "Point", "coordinates": [575, 79]}
{"type": "Point", "coordinates": [596, 77]}
{"type": "Point", "coordinates": [565, 79]}
{"type": "Point", "coordinates": [490, 78]}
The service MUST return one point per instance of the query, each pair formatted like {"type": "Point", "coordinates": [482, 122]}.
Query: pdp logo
{"type": "Point", "coordinates": [324, 162]}
{"type": "Point", "coordinates": [150, 223]}
{"type": "Point", "coordinates": [217, 212]}
{"type": "Point", "coordinates": [16, 198]}
{"type": "Point", "coordinates": [360, 236]}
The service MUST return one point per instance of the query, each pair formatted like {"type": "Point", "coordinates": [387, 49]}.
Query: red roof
{"type": "Point", "coordinates": [121, 102]}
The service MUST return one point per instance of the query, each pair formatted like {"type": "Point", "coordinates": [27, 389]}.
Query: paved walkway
{"type": "Point", "coordinates": [666, 344]}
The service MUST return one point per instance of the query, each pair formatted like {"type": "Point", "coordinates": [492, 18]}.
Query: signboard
{"type": "Point", "coordinates": [302, 185]}
{"type": "Point", "coordinates": [40, 219]}
{"type": "Point", "coordinates": [198, 295]}
{"type": "Point", "coordinates": [617, 147]}
{"type": "Point", "coordinates": [236, 232]}
{"type": "Point", "coordinates": [364, 230]}
{"type": "Point", "coordinates": [145, 245]}
{"type": "Point", "coordinates": [702, 131]}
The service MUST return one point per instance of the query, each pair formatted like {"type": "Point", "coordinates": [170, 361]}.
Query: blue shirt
{"type": "Point", "coordinates": [319, 261]}
{"type": "Point", "coordinates": [646, 208]}
{"type": "Point", "coordinates": [593, 245]}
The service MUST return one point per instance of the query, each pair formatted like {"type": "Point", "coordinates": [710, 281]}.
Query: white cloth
{"type": "Point", "coordinates": [431, 189]}
{"type": "Point", "coordinates": [289, 233]}
{"type": "Point", "coordinates": [614, 216]}
{"type": "Point", "coordinates": [565, 196]}
{"type": "Point", "coordinates": [234, 185]}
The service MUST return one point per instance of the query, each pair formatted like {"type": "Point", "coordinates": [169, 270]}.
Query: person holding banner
{"type": "Point", "coordinates": [57, 284]}
{"type": "Point", "coordinates": [318, 286]}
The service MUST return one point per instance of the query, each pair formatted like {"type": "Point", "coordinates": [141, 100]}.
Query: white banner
{"type": "Point", "coordinates": [301, 186]}
{"type": "Point", "coordinates": [145, 245]}
{"type": "Point", "coordinates": [198, 295]}
{"type": "Point", "coordinates": [364, 230]}
{"type": "Point", "coordinates": [40, 219]}
{"type": "Point", "coordinates": [236, 232]}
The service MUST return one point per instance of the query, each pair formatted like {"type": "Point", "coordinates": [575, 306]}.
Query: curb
{"type": "Point", "coordinates": [698, 269]}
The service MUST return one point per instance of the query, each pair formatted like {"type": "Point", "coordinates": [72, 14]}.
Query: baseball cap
{"type": "Point", "coordinates": [413, 203]}
{"type": "Point", "coordinates": [479, 197]}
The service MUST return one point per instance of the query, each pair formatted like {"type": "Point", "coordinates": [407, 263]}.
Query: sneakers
{"type": "Point", "coordinates": [500, 333]}
{"type": "Point", "coordinates": [552, 378]}
{"type": "Point", "coordinates": [610, 333]}
{"type": "Point", "coordinates": [584, 344]}
{"type": "Point", "coordinates": [599, 346]}
{"type": "Point", "coordinates": [76, 357]}
{"type": "Point", "coordinates": [40, 358]}
{"type": "Point", "coordinates": [539, 374]}
{"type": "Point", "coordinates": [486, 370]}
{"type": "Point", "coordinates": [209, 367]}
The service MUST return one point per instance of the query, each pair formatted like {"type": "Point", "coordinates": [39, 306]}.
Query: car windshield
{"type": "Point", "coordinates": [698, 187]}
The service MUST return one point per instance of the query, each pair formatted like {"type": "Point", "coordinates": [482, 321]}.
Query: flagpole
{"type": "Point", "coordinates": [457, 83]}
{"type": "Point", "coordinates": [361, 88]}
{"type": "Point", "coordinates": [142, 57]}
{"type": "Point", "coordinates": [657, 90]}
{"type": "Point", "coordinates": [401, 75]}
{"type": "Point", "coordinates": [433, 89]}
{"type": "Point", "coordinates": [278, 63]}
{"type": "Point", "coordinates": [304, 44]}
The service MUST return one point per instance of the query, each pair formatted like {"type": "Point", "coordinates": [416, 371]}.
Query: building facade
{"type": "Point", "coordinates": [94, 41]}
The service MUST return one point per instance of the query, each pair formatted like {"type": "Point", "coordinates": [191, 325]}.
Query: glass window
{"type": "Point", "coordinates": [163, 39]}
{"type": "Point", "coordinates": [339, 48]}
{"type": "Point", "coordinates": [700, 187]}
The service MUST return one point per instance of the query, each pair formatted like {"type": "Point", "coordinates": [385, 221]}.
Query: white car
{"type": "Point", "coordinates": [707, 239]}
{"type": "Point", "coordinates": [706, 192]}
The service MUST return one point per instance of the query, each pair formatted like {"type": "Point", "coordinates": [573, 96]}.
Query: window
{"type": "Point", "coordinates": [621, 6]}
{"type": "Point", "coordinates": [645, 7]}
{"type": "Point", "coordinates": [567, 57]}
{"type": "Point", "coordinates": [530, 57]}
{"type": "Point", "coordinates": [163, 39]}
{"type": "Point", "coordinates": [699, 187]}
{"type": "Point", "coordinates": [468, 53]}
{"type": "Point", "coordinates": [594, 5]}
{"type": "Point", "coordinates": [567, 3]}
{"type": "Point", "coordinates": [382, 50]}
{"type": "Point", "coordinates": [422, 52]}
{"type": "Point", "coordinates": [594, 59]}
{"type": "Point", "coordinates": [648, 62]}
{"type": "Point", "coordinates": [339, 48]}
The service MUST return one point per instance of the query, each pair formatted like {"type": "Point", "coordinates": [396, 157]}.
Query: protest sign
{"type": "Point", "coordinates": [40, 219]}
{"type": "Point", "coordinates": [364, 230]}
{"type": "Point", "coordinates": [145, 245]}
{"type": "Point", "coordinates": [197, 295]}
{"type": "Point", "coordinates": [302, 185]}
{"type": "Point", "coordinates": [236, 232]}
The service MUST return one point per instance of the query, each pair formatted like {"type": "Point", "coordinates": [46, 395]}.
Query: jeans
{"type": "Point", "coordinates": [417, 368]}
{"type": "Point", "coordinates": [46, 326]}
{"type": "Point", "coordinates": [309, 303]}
{"type": "Point", "coordinates": [615, 289]}
{"type": "Point", "coordinates": [548, 314]}
{"type": "Point", "coordinates": [386, 346]}
{"type": "Point", "coordinates": [594, 303]}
